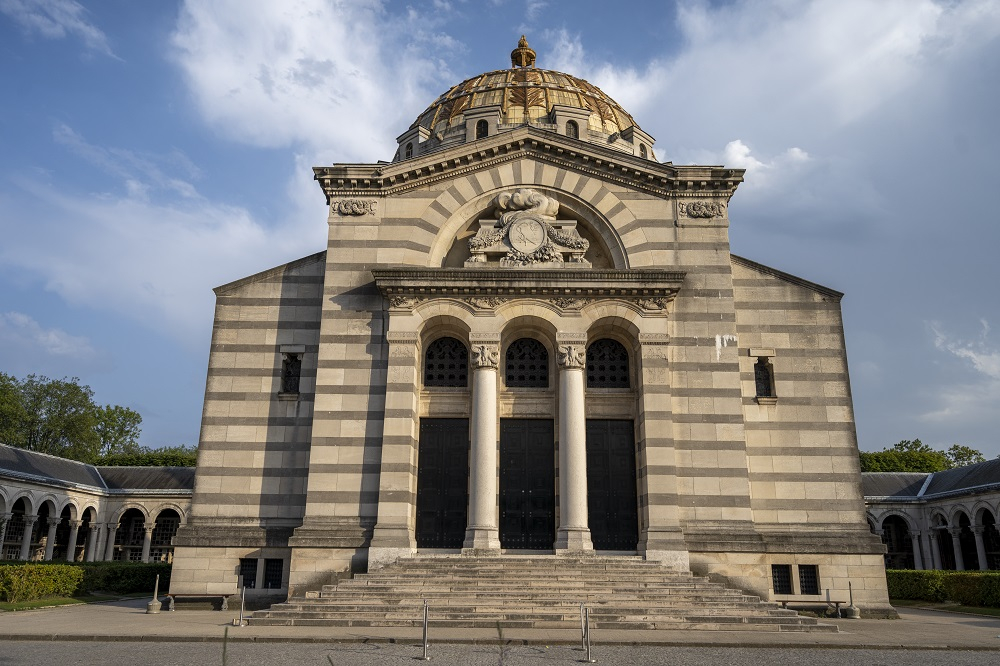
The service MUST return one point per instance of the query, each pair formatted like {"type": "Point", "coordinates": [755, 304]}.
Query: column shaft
{"type": "Point", "coordinates": [482, 531]}
{"type": "Point", "coordinates": [109, 549]}
{"type": "Point", "coordinates": [956, 546]}
{"type": "Point", "coordinates": [977, 531]}
{"type": "Point", "coordinates": [29, 527]}
{"type": "Point", "coordinates": [50, 539]}
{"type": "Point", "coordinates": [147, 539]}
{"type": "Point", "coordinates": [74, 530]}
{"type": "Point", "coordinates": [93, 540]}
{"type": "Point", "coordinates": [918, 560]}
{"type": "Point", "coordinates": [574, 532]}
{"type": "Point", "coordinates": [935, 549]}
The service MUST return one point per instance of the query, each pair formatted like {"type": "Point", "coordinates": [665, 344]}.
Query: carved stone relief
{"type": "Point", "coordinates": [486, 356]}
{"type": "Point", "coordinates": [354, 206]}
{"type": "Point", "coordinates": [702, 208]}
{"type": "Point", "coordinates": [486, 302]}
{"type": "Point", "coordinates": [527, 233]}
{"type": "Point", "coordinates": [405, 302]}
{"type": "Point", "coordinates": [572, 356]}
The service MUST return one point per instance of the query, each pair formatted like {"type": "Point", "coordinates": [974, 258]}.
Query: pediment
{"type": "Point", "coordinates": [661, 179]}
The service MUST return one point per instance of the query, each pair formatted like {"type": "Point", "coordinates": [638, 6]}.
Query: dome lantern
{"type": "Point", "coordinates": [523, 55]}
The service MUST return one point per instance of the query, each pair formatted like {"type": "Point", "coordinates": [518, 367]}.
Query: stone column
{"type": "Point", "coordinates": [50, 539]}
{"type": "Point", "coordinates": [29, 527]}
{"type": "Point", "coordinates": [4, 521]}
{"type": "Point", "coordinates": [574, 531]}
{"type": "Point", "coordinates": [74, 530]}
{"type": "Point", "coordinates": [483, 532]}
{"type": "Point", "coordinates": [93, 542]}
{"type": "Point", "coordinates": [109, 548]}
{"type": "Point", "coordinates": [147, 539]}
{"type": "Point", "coordinates": [932, 536]}
{"type": "Point", "coordinates": [956, 546]}
{"type": "Point", "coordinates": [918, 560]}
{"type": "Point", "coordinates": [977, 531]}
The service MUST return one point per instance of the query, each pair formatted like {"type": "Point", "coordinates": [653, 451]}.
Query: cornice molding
{"type": "Point", "coordinates": [663, 180]}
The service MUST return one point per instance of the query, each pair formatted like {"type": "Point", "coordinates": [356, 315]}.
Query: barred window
{"type": "Point", "coordinates": [607, 364]}
{"type": "Point", "coordinates": [808, 579]}
{"type": "Point", "coordinates": [446, 363]}
{"type": "Point", "coordinates": [527, 364]}
{"type": "Point", "coordinates": [482, 129]}
{"type": "Point", "coordinates": [248, 572]}
{"type": "Point", "coordinates": [272, 573]}
{"type": "Point", "coordinates": [781, 578]}
{"type": "Point", "coordinates": [409, 150]}
{"type": "Point", "coordinates": [165, 528]}
{"type": "Point", "coordinates": [764, 378]}
{"type": "Point", "coordinates": [291, 372]}
{"type": "Point", "coordinates": [572, 129]}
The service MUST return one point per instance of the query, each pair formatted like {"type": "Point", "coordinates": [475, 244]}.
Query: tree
{"type": "Point", "coordinates": [915, 456]}
{"type": "Point", "coordinates": [960, 456]}
{"type": "Point", "coordinates": [118, 428]}
{"type": "Point", "coordinates": [171, 456]}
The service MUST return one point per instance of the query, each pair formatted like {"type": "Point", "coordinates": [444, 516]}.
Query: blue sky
{"type": "Point", "coordinates": [152, 151]}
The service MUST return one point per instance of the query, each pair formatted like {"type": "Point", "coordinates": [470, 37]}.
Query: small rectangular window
{"type": "Point", "coordinates": [248, 572]}
{"type": "Point", "coordinates": [291, 372]}
{"type": "Point", "coordinates": [808, 579]}
{"type": "Point", "coordinates": [272, 574]}
{"type": "Point", "coordinates": [781, 578]}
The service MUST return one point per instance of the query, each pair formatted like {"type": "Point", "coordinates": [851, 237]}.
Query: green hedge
{"type": "Point", "coordinates": [970, 588]}
{"type": "Point", "coordinates": [116, 577]}
{"type": "Point", "coordinates": [34, 581]}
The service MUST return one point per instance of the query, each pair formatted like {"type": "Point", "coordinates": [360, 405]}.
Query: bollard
{"type": "Point", "coordinates": [425, 656]}
{"type": "Point", "coordinates": [588, 659]}
{"type": "Point", "coordinates": [583, 630]}
{"type": "Point", "coordinates": [153, 606]}
{"type": "Point", "coordinates": [243, 603]}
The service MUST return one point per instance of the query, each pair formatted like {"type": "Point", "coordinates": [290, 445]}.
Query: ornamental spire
{"type": "Point", "coordinates": [523, 55]}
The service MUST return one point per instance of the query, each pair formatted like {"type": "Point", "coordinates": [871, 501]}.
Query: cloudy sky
{"type": "Point", "coordinates": [152, 151]}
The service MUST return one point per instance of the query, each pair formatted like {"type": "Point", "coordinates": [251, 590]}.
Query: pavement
{"type": "Point", "coordinates": [126, 621]}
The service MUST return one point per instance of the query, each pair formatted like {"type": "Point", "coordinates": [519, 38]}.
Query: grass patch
{"type": "Point", "coordinates": [946, 606]}
{"type": "Point", "coordinates": [50, 602]}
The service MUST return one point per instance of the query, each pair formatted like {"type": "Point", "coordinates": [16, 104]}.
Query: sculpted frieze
{"type": "Point", "coordinates": [486, 356]}
{"type": "Point", "coordinates": [405, 302]}
{"type": "Point", "coordinates": [354, 206]}
{"type": "Point", "coordinates": [572, 356]}
{"type": "Point", "coordinates": [486, 302]}
{"type": "Point", "coordinates": [706, 209]}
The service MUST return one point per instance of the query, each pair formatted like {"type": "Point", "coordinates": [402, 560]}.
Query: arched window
{"type": "Point", "coordinates": [527, 364]}
{"type": "Point", "coordinates": [409, 150]}
{"type": "Point", "coordinates": [482, 129]}
{"type": "Point", "coordinates": [642, 150]}
{"type": "Point", "coordinates": [607, 364]}
{"type": "Point", "coordinates": [446, 363]}
{"type": "Point", "coordinates": [572, 129]}
{"type": "Point", "coordinates": [764, 378]}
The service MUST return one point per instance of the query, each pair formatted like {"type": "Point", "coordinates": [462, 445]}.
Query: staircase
{"type": "Point", "coordinates": [536, 592]}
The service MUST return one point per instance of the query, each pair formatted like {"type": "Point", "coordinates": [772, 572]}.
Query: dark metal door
{"type": "Point", "coordinates": [527, 484]}
{"type": "Point", "coordinates": [442, 483]}
{"type": "Point", "coordinates": [611, 495]}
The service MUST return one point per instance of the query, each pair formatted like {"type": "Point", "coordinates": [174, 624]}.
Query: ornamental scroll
{"type": "Point", "coordinates": [354, 206]}
{"type": "Point", "coordinates": [527, 233]}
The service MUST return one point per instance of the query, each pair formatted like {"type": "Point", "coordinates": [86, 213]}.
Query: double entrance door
{"type": "Point", "coordinates": [527, 488]}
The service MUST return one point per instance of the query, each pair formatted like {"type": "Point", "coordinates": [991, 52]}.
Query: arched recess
{"type": "Point", "coordinates": [940, 531]}
{"type": "Point", "coordinates": [450, 246]}
{"type": "Point", "coordinates": [895, 533]}
{"type": "Point", "coordinates": [986, 518]}
{"type": "Point", "coordinates": [967, 541]}
{"type": "Point", "coordinates": [20, 506]}
{"type": "Point", "coordinates": [166, 523]}
{"type": "Point", "coordinates": [130, 534]}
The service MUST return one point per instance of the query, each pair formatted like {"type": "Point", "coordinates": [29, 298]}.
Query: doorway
{"type": "Point", "coordinates": [613, 513]}
{"type": "Point", "coordinates": [527, 484]}
{"type": "Point", "coordinates": [442, 483]}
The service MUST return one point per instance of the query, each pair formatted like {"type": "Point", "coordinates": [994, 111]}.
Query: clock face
{"type": "Point", "coordinates": [526, 236]}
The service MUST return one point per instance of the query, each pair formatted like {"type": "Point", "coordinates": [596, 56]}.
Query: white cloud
{"type": "Point", "coordinates": [20, 331]}
{"type": "Point", "coordinates": [55, 19]}
{"type": "Point", "coordinates": [346, 77]}
{"type": "Point", "coordinates": [985, 359]}
{"type": "Point", "coordinates": [965, 403]}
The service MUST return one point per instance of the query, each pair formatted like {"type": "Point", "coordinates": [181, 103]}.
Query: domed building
{"type": "Point", "coordinates": [528, 338]}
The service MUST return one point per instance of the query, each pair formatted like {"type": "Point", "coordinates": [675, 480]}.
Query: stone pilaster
{"type": "Point", "coordinates": [573, 533]}
{"type": "Point", "coordinates": [483, 532]}
{"type": "Point", "coordinates": [393, 535]}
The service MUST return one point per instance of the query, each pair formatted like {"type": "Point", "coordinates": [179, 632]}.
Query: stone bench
{"type": "Point", "coordinates": [224, 599]}
{"type": "Point", "coordinates": [810, 599]}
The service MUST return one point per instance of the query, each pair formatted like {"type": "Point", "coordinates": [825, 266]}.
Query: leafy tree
{"type": "Point", "coordinates": [915, 456]}
{"type": "Point", "coordinates": [171, 456]}
{"type": "Point", "coordinates": [960, 455]}
{"type": "Point", "coordinates": [118, 429]}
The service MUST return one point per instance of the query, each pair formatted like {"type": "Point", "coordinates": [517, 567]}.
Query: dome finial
{"type": "Point", "coordinates": [523, 55]}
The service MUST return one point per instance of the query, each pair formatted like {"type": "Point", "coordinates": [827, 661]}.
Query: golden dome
{"type": "Point", "coordinates": [525, 95]}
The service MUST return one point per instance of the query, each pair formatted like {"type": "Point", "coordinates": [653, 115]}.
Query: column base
{"type": "Point", "coordinates": [481, 539]}
{"type": "Point", "coordinates": [573, 540]}
{"type": "Point", "coordinates": [666, 546]}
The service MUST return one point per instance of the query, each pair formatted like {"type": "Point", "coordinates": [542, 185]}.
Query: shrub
{"type": "Point", "coordinates": [921, 585]}
{"type": "Point", "coordinates": [123, 577]}
{"type": "Point", "coordinates": [970, 588]}
{"type": "Point", "coordinates": [34, 581]}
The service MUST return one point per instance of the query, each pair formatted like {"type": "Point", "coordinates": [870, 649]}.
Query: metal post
{"type": "Point", "coordinates": [588, 659]}
{"type": "Point", "coordinates": [243, 603]}
{"type": "Point", "coordinates": [425, 657]}
{"type": "Point", "coordinates": [153, 606]}
{"type": "Point", "coordinates": [583, 630]}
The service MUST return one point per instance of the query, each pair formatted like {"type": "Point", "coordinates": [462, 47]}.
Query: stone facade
{"type": "Point", "coordinates": [538, 241]}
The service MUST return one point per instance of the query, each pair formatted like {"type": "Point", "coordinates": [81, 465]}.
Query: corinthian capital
{"type": "Point", "coordinates": [572, 356]}
{"type": "Point", "coordinates": [485, 356]}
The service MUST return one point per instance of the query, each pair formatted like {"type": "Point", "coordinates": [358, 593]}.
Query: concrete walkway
{"type": "Point", "coordinates": [126, 621]}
